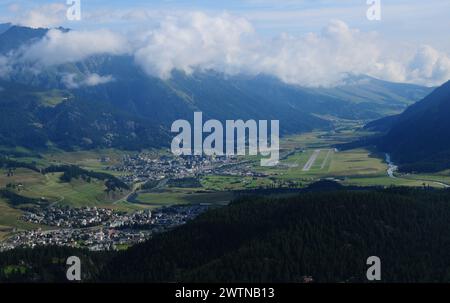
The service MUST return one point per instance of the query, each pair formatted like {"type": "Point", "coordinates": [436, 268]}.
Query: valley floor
{"type": "Point", "coordinates": [305, 158]}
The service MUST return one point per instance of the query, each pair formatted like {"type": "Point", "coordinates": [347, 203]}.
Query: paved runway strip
{"type": "Point", "coordinates": [326, 159]}
{"type": "Point", "coordinates": [311, 160]}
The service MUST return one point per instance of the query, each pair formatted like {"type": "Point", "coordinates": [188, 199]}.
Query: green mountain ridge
{"type": "Point", "coordinates": [418, 138]}
{"type": "Point", "coordinates": [135, 110]}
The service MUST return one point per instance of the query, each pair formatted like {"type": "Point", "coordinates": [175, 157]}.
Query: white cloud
{"type": "Point", "coordinates": [59, 47]}
{"type": "Point", "coordinates": [74, 81]}
{"type": "Point", "coordinates": [48, 15]}
{"type": "Point", "coordinates": [69, 80]}
{"type": "Point", "coordinates": [429, 66]}
{"type": "Point", "coordinates": [229, 44]}
{"type": "Point", "coordinates": [322, 59]}
{"type": "Point", "coordinates": [195, 41]}
{"type": "Point", "coordinates": [5, 67]}
{"type": "Point", "coordinates": [95, 79]}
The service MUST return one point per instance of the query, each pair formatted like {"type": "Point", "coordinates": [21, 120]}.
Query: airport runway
{"type": "Point", "coordinates": [311, 160]}
{"type": "Point", "coordinates": [326, 159]}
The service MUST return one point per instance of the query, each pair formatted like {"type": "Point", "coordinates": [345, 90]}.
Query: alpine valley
{"type": "Point", "coordinates": [86, 171]}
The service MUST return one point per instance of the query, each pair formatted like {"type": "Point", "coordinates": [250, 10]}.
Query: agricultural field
{"type": "Point", "coordinates": [305, 158]}
{"type": "Point", "coordinates": [9, 220]}
{"type": "Point", "coordinates": [183, 196]}
{"type": "Point", "coordinates": [28, 183]}
{"type": "Point", "coordinates": [230, 183]}
{"type": "Point", "coordinates": [24, 176]}
{"type": "Point", "coordinates": [353, 167]}
{"type": "Point", "coordinates": [96, 160]}
{"type": "Point", "coordinates": [359, 167]}
{"type": "Point", "coordinates": [76, 193]}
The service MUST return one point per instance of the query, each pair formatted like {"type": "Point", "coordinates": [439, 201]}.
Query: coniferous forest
{"type": "Point", "coordinates": [326, 236]}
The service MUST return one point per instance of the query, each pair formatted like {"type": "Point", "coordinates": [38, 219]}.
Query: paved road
{"type": "Point", "coordinates": [326, 159]}
{"type": "Point", "coordinates": [311, 160]}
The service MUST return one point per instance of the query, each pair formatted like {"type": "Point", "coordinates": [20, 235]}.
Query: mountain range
{"type": "Point", "coordinates": [126, 108]}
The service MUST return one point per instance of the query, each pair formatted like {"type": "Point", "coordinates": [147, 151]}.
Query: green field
{"type": "Point", "coordinates": [53, 97]}
{"type": "Point", "coordinates": [352, 167]}
{"type": "Point", "coordinates": [96, 160]}
{"type": "Point", "coordinates": [75, 193]}
{"type": "Point", "coordinates": [230, 183]}
{"type": "Point", "coordinates": [9, 219]}
{"type": "Point", "coordinates": [183, 196]}
{"type": "Point", "coordinates": [21, 175]}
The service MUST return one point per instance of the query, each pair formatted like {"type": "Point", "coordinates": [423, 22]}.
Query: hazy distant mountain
{"type": "Point", "coordinates": [12, 37]}
{"type": "Point", "coordinates": [4, 27]}
{"type": "Point", "coordinates": [132, 110]}
{"type": "Point", "coordinates": [419, 139]}
{"type": "Point", "coordinates": [386, 97]}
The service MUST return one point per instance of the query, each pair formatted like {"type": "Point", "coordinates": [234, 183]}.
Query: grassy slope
{"type": "Point", "coordinates": [9, 219]}
{"type": "Point", "coordinates": [76, 193]}
{"type": "Point", "coordinates": [89, 160]}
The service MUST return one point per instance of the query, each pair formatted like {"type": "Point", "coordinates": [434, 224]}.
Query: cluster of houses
{"type": "Point", "coordinates": [145, 166]}
{"type": "Point", "coordinates": [120, 230]}
{"type": "Point", "coordinates": [93, 239]}
{"type": "Point", "coordinates": [64, 216]}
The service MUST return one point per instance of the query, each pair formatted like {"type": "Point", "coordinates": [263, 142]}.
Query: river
{"type": "Point", "coordinates": [392, 168]}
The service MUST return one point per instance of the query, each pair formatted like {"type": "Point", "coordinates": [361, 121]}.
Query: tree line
{"type": "Point", "coordinates": [325, 236]}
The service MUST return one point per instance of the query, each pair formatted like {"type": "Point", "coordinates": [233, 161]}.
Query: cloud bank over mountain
{"type": "Point", "coordinates": [73, 81]}
{"type": "Point", "coordinates": [47, 15]}
{"type": "Point", "coordinates": [230, 44]}
{"type": "Point", "coordinates": [59, 47]}
{"type": "Point", "coordinates": [197, 41]}
{"type": "Point", "coordinates": [5, 68]}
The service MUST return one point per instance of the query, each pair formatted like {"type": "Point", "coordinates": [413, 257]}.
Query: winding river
{"type": "Point", "coordinates": [392, 168]}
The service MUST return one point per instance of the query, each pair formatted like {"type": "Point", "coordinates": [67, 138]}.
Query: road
{"type": "Point", "coordinates": [124, 199]}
